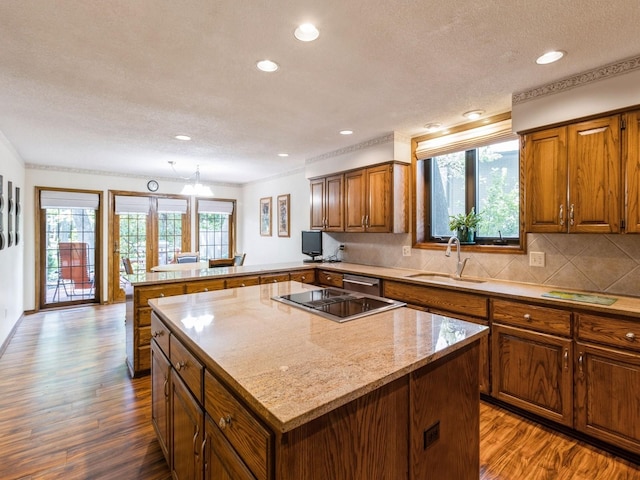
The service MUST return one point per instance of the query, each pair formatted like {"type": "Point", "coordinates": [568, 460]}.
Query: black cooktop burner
{"type": "Point", "coordinates": [339, 305]}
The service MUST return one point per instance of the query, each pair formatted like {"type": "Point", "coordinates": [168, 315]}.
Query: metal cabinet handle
{"type": "Point", "coordinates": [527, 317]}
{"type": "Point", "coordinates": [566, 359]}
{"type": "Point", "coordinates": [162, 295]}
{"type": "Point", "coordinates": [303, 278]}
{"type": "Point", "coordinates": [180, 366]}
{"type": "Point", "coordinates": [562, 214]}
{"type": "Point", "coordinates": [362, 222]}
{"type": "Point", "coordinates": [206, 289]}
{"type": "Point", "coordinates": [581, 363]}
{"type": "Point", "coordinates": [366, 221]}
{"type": "Point", "coordinates": [157, 333]}
{"type": "Point", "coordinates": [166, 385]}
{"type": "Point", "coordinates": [275, 280]}
{"type": "Point", "coordinates": [571, 221]}
{"type": "Point", "coordinates": [202, 448]}
{"type": "Point", "coordinates": [195, 437]}
{"type": "Point", "coordinates": [630, 336]}
{"type": "Point", "coordinates": [224, 422]}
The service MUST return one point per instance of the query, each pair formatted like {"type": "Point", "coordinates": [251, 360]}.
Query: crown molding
{"type": "Point", "coordinates": [580, 79]}
{"type": "Point", "coordinates": [353, 148]}
{"type": "Point", "coordinates": [104, 173]}
{"type": "Point", "coordinates": [288, 173]}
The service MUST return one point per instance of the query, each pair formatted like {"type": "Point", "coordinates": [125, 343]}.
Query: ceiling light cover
{"type": "Point", "coordinates": [346, 132]}
{"type": "Point", "coordinates": [306, 32]}
{"type": "Point", "coordinates": [433, 127]}
{"type": "Point", "coordinates": [283, 154]}
{"type": "Point", "coordinates": [550, 57]}
{"type": "Point", "coordinates": [267, 66]}
{"type": "Point", "coordinates": [473, 114]}
{"type": "Point", "coordinates": [183, 137]}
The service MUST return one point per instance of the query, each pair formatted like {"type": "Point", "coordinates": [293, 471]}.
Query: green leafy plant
{"type": "Point", "coordinates": [470, 221]}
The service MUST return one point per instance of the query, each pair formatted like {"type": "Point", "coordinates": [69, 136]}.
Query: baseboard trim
{"type": "Point", "coordinates": [5, 344]}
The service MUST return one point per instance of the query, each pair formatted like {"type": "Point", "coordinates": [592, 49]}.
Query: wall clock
{"type": "Point", "coordinates": [152, 185]}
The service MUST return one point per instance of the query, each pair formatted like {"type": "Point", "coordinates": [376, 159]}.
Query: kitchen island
{"type": "Point", "coordinates": [247, 387]}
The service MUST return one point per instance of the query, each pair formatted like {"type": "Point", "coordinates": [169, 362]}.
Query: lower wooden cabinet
{"type": "Point", "coordinates": [221, 462]}
{"type": "Point", "coordinates": [160, 371]}
{"type": "Point", "coordinates": [187, 421]}
{"type": "Point", "coordinates": [608, 395]}
{"type": "Point", "coordinates": [533, 371]}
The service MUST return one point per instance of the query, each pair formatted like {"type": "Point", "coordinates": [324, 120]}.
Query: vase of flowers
{"type": "Point", "coordinates": [465, 226]}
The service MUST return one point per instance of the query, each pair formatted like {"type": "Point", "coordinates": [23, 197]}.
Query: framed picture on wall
{"type": "Point", "coordinates": [283, 215]}
{"type": "Point", "coordinates": [265, 217]}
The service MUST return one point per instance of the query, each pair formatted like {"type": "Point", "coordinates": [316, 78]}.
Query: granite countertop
{"type": "Point", "coordinates": [291, 366]}
{"type": "Point", "coordinates": [624, 305]}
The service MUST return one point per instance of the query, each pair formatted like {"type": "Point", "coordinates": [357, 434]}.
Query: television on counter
{"type": "Point", "coordinates": [312, 245]}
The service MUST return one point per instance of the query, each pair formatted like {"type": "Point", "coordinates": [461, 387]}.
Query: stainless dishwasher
{"type": "Point", "coordinates": [358, 283]}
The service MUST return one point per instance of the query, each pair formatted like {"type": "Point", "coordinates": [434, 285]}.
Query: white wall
{"type": "Point", "coordinates": [262, 250]}
{"type": "Point", "coordinates": [11, 259]}
{"type": "Point", "coordinates": [98, 182]}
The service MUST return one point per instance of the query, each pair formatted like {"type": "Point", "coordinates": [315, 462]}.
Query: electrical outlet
{"type": "Point", "coordinates": [536, 259]}
{"type": "Point", "coordinates": [341, 246]}
{"type": "Point", "coordinates": [406, 251]}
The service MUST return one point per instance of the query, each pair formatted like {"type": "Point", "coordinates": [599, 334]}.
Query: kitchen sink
{"type": "Point", "coordinates": [443, 278]}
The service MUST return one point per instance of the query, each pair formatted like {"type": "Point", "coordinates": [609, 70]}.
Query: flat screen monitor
{"type": "Point", "coordinates": [312, 245]}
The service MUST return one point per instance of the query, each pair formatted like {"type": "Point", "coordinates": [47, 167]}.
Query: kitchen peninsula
{"type": "Point", "coordinates": [246, 387]}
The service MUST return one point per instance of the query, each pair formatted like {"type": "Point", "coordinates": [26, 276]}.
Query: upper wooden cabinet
{"type": "Point", "coordinates": [327, 203]}
{"type": "Point", "coordinates": [573, 178]}
{"type": "Point", "coordinates": [632, 162]}
{"type": "Point", "coordinates": [372, 199]}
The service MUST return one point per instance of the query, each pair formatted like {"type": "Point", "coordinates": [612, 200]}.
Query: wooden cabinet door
{"type": "Point", "coordinates": [334, 203]}
{"type": "Point", "coordinates": [317, 204]}
{"type": "Point", "coordinates": [379, 199]}
{"type": "Point", "coordinates": [545, 202]}
{"type": "Point", "coordinates": [160, 368]}
{"type": "Point", "coordinates": [594, 176]}
{"type": "Point", "coordinates": [533, 371]}
{"type": "Point", "coordinates": [187, 422]}
{"type": "Point", "coordinates": [608, 395]}
{"type": "Point", "coordinates": [355, 200]}
{"type": "Point", "coordinates": [221, 462]}
{"type": "Point", "coordinates": [632, 166]}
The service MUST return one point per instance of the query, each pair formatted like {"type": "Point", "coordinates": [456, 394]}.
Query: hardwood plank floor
{"type": "Point", "coordinates": [68, 410]}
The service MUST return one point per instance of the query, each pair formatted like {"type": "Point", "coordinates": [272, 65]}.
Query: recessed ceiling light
{"type": "Point", "coordinates": [550, 57]}
{"type": "Point", "coordinates": [306, 32]}
{"type": "Point", "coordinates": [283, 154]}
{"type": "Point", "coordinates": [433, 127]}
{"type": "Point", "coordinates": [346, 132]}
{"type": "Point", "coordinates": [182, 137]}
{"type": "Point", "coordinates": [473, 114]}
{"type": "Point", "coordinates": [267, 66]}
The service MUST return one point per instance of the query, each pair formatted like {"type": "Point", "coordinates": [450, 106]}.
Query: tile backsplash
{"type": "Point", "coordinates": [591, 262]}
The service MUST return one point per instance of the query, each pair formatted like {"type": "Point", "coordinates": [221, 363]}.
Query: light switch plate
{"type": "Point", "coordinates": [536, 259]}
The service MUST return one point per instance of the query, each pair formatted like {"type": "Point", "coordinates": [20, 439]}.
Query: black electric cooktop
{"type": "Point", "coordinates": [338, 305]}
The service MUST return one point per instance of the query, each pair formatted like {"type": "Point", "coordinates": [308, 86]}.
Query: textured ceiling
{"type": "Point", "coordinates": [105, 85]}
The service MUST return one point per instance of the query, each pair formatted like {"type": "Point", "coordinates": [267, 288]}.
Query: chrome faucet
{"type": "Point", "coordinates": [461, 264]}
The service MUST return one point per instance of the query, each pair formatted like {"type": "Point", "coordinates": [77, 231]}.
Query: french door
{"type": "Point", "coordinates": [146, 230]}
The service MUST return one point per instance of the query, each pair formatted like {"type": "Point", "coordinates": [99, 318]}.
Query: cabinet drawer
{"type": "Point", "coordinates": [160, 333]}
{"type": "Point", "coordinates": [533, 317]}
{"type": "Point", "coordinates": [143, 317]}
{"type": "Point", "coordinates": [205, 286]}
{"type": "Point", "coordinates": [242, 281]}
{"type": "Point", "coordinates": [437, 298]}
{"type": "Point", "coordinates": [330, 278]}
{"type": "Point", "coordinates": [144, 336]}
{"type": "Point", "coordinates": [305, 276]}
{"type": "Point", "coordinates": [187, 366]}
{"type": "Point", "coordinates": [146, 293]}
{"type": "Point", "coordinates": [610, 331]}
{"type": "Point", "coordinates": [245, 433]}
{"type": "Point", "coordinates": [274, 278]}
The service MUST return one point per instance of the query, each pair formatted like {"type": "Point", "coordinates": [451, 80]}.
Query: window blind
{"type": "Point", "coordinates": [466, 140]}
{"type": "Point", "coordinates": [126, 204]}
{"type": "Point", "coordinates": [61, 199]}
{"type": "Point", "coordinates": [215, 206]}
{"type": "Point", "coordinates": [172, 205]}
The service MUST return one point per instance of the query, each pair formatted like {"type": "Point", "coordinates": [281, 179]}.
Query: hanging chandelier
{"type": "Point", "coordinates": [195, 189]}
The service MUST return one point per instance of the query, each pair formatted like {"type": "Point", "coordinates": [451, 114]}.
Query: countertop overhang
{"type": "Point", "coordinates": [291, 366]}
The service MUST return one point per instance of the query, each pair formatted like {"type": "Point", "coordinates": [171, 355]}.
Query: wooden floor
{"type": "Point", "coordinates": [68, 410]}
